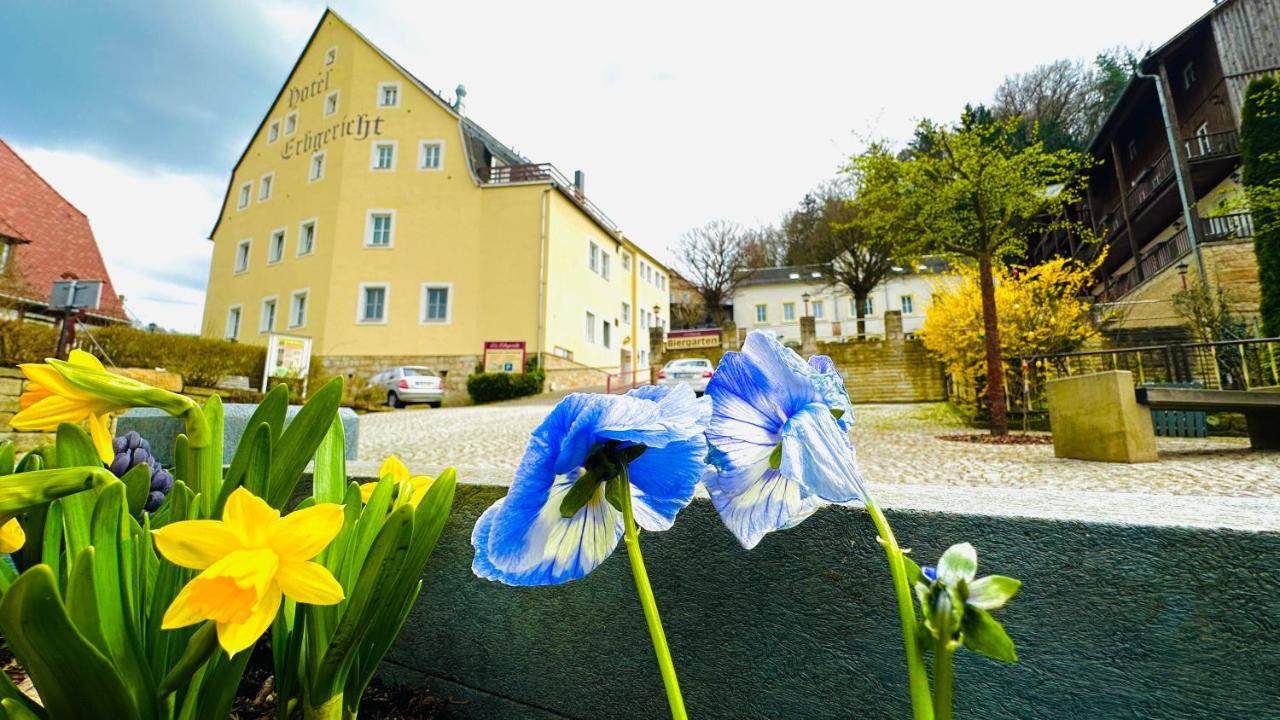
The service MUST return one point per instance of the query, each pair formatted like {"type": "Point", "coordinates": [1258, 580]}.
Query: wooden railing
{"type": "Point", "coordinates": [1151, 181]}
{"type": "Point", "coordinates": [1227, 227]}
{"type": "Point", "coordinates": [1212, 145]}
{"type": "Point", "coordinates": [1212, 229]}
{"type": "Point", "coordinates": [543, 172]}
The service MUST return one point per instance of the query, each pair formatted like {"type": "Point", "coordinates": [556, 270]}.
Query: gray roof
{"type": "Point", "coordinates": [821, 273]}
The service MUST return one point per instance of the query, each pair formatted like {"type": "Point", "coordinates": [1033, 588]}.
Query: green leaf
{"type": "Point", "coordinates": [631, 453]}
{"type": "Point", "coordinates": [73, 678]}
{"type": "Point", "coordinates": [213, 416]}
{"type": "Point", "coordinates": [992, 592]}
{"type": "Point", "coordinates": [17, 710]}
{"type": "Point", "coordinates": [11, 694]}
{"type": "Point", "coordinates": [6, 458]}
{"type": "Point", "coordinates": [775, 457]}
{"type": "Point", "coordinates": [74, 448]}
{"type": "Point", "coordinates": [200, 647]}
{"type": "Point", "coordinates": [137, 486]}
{"type": "Point", "coordinates": [329, 475]}
{"type": "Point", "coordinates": [258, 468]}
{"type": "Point", "coordinates": [914, 573]}
{"type": "Point", "coordinates": [82, 601]}
{"type": "Point", "coordinates": [299, 441]}
{"type": "Point", "coordinates": [983, 634]}
{"type": "Point", "coordinates": [580, 493]}
{"type": "Point", "coordinates": [218, 687]}
{"type": "Point", "coordinates": [614, 492]}
{"type": "Point", "coordinates": [21, 491]}
{"type": "Point", "coordinates": [31, 462]}
{"type": "Point", "coordinates": [182, 458]}
{"type": "Point", "coordinates": [837, 413]}
{"type": "Point", "coordinates": [51, 547]}
{"type": "Point", "coordinates": [959, 562]}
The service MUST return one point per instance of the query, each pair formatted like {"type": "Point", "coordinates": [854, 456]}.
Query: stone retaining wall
{"type": "Point", "coordinates": [565, 374]}
{"type": "Point", "coordinates": [1117, 619]}
{"type": "Point", "coordinates": [359, 368]}
{"type": "Point", "coordinates": [11, 383]}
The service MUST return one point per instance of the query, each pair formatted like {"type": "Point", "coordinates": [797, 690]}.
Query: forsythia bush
{"type": "Point", "coordinates": [202, 362]}
{"type": "Point", "coordinates": [1041, 310]}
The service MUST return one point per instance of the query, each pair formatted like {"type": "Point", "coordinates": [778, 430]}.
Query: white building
{"type": "Point", "coordinates": [775, 299]}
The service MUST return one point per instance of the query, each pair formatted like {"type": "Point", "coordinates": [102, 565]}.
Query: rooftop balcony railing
{"type": "Point", "coordinates": [541, 173]}
{"type": "Point", "coordinates": [1151, 182]}
{"type": "Point", "coordinates": [1212, 145]}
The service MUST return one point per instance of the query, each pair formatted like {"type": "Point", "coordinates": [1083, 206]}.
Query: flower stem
{"type": "Point", "coordinates": [330, 709]}
{"type": "Point", "coordinates": [632, 538]}
{"type": "Point", "coordinates": [943, 653]}
{"type": "Point", "coordinates": [917, 675]}
{"type": "Point", "coordinates": [203, 480]}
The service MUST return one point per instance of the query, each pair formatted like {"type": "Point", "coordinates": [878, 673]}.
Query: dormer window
{"type": "Point", "coordinates": [331, 103]}
{"type": "Point", "coordinates": [330, 55]}
{"type": "Point", "coordinates": [389, 94]}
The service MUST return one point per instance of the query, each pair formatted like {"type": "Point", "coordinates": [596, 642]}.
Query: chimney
{"type": "Point", "coordinates": [580, 184]}
{"type": "Point", "coordinates": [459, 101]}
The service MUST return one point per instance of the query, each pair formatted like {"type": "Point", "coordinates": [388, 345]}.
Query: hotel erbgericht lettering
{"type": "Point", "coordinates": [359, 127]}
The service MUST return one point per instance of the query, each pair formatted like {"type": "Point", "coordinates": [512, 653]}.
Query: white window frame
{"type": "Point", "coordinates": [331, 55]}
{"type": "Point", "coordinates": [315, 226]}
{"type": "Point", "coordinates": [373, 154]}
{"type": "Point", "coordinates": [606, 335]}
{"type": "Point", "coordinates": [311, 166]}
{"type": "Point", "coordinates": [305, 294]}
{"type": "Point", "coordinates": [819, 309]}
{"type": "Point", "coordinates": [626, 261]}
{"type": "Point", "coordinates": [386, 303]}
{"type": "Point", "coordinates": [368, 228]}
{"type": "Point", "coordinates": [788, 311]}
{"type": "Point", "coordinates": [384, 85]}
{"type": "Point", "coordinates": [337, 100]}
{"type": "Point", "coordinates": [238, 311]}
{"type": "Point", "coordinates": [626, 313]}
{"type": "Point", "coordinates": [589, 328]}
{"type": "Point", "coordinates": [762, 317]}
{"type": "Point", "coordinates": [908, 304]}
{"type": "Point", "coordinates": [266, 186]}
{"type": "Point", "coordinates": [237, 268]}
{"type": "Point", "coordinates": [283, 232]}
{"type": "Point", "coordinates": [273, 131]}
{"type": "Point", "coordinates": [246, 195]}
{"type": "Point", "coordinates": [448, 308]}
{"type": "Point", "coordinates": [422, 155]}
{"type": "Point", "coordinates": [263, 326]}
{"type": "Point", "coordinates": [593, 256]}
{"type": "Point", "coordinates": [605, 271]}
{"type": "Point", "coordinates": [291, 123]}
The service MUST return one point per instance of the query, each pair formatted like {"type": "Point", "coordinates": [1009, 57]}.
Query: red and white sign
{"type": "Point", "coordinates": [504, 356]}
{"type": "Point", "coordinates": [693, 339]}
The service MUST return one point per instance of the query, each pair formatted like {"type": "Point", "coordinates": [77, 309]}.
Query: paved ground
{"type": "Point", "coordinates": [897, 444]}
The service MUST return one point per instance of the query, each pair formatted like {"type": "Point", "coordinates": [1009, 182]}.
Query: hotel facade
{"type": "Point", "coordinates": [371, 215]}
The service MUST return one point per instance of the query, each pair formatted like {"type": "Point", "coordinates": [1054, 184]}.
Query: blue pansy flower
{"type": "Point", "coordinates": [779, 444]}
{"type": "Point", "coordinates": [658, 431]}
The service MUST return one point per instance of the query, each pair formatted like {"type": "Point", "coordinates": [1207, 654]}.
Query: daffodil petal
{"type": "Point", "coordinates": [395, 468]}
{"type": "Point", "coordinates": [302, 534]}
{"type": "Point", "coordinates": [49, 412]}
{"type": "Point", "coordinates": [366, 491]}
{"type": "Point", "coordinates": [12, 536]}
{"type": "Point", "coordinates": [180, 613]}
{"type": "Point", "coordinates": [234, 637]}
{"type": "Point", "coordinates": [252, 519]}
{"type": "Point", "coordinates": [51, 380]}
{"type": "Point", "coordinates": [196, 544]}
{"type": "Point", "coordinates": [85, 360]}
{"type": "Point", "coordinates": [100, 433]}
{"type": "Point", "coordinates": [421, 485]}
{"type": "Point", "coordinates": [309, 582]}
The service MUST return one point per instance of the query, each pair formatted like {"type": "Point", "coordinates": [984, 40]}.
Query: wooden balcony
{"type": "Point", "coordinates": [1212, 145]}
{"type": "Point", "coordinates": [1212, 229]}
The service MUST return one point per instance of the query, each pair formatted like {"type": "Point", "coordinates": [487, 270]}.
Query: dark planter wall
{"type": "Point", "coordinates": [1114, 621]}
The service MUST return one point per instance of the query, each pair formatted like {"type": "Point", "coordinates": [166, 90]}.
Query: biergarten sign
{"type": "Point", "coordinates": [693, 339]}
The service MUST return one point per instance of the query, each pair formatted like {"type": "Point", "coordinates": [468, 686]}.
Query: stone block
{"type": "Point", "coordinates": [161, 428]}
{"type": "Point", "coordinates": [162, 379]}
{"type": "Point", "coordinates": [1097, 417]}
{"type": "Point", "coordinates": [10, 386]}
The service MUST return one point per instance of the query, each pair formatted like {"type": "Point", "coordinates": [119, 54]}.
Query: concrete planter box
{"type": "Point", "coordinates": [161, 428]}
{"type": "Point", "coordinates": [1119, 617]}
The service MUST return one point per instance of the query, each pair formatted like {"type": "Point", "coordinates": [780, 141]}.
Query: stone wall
{"type": "Point", "coordinates": [11, 382]}
{"type": "Point", "coordinates": [565, 374]}
{"type": "Point", "coordinates": [1230, 264]}
{"type": "Point", "coordinates": [1123, 614]}
{"type": "Point", "coordinates": [359, 368]}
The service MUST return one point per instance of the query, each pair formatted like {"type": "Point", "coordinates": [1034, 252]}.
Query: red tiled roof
{"type": "Point", "coordinates": [59, 239]}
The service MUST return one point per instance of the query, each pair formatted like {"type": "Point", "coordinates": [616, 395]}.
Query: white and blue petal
{"type": "Point", "coordinates": [830, 384]}
{"type": "Point", "coordinates": [771, 502]}
{"type": "Point", "coordinates": [816, 452]}
{"type": "Point", "coordinates": [653, 416]}
{"type": "Point", "coordinates": [663, 480]}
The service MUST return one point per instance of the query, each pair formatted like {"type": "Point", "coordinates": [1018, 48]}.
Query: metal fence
{"type": "Point", "coordinates": [1227, 365]}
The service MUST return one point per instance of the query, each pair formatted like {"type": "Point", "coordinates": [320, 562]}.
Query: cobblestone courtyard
{"type": "Point", "coordinates": [896, 444]}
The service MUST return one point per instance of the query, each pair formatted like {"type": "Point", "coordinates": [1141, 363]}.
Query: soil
{"type": "Point", "coordinates": [1010, 439]}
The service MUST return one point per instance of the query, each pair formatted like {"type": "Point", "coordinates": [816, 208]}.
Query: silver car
{"type": "Point", "coordinates": [410, 384]}
{"type": "Point", "coordinates": [694, 372]}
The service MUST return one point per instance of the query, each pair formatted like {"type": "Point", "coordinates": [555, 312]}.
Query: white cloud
{"type": "Point", "coordinates": [151, 227]}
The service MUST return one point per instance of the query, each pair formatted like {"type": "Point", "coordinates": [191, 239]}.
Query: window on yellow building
{"type": "Point", "coordinates": [373, 303]}
{"type": "Point", "coordinates": [593, 257]}
{"type": "Point", "coordinates": [626, 262]}
{"type": "Point", "coordinates": [381, 227]}
{"type": "Point", "coordinates": [435, 303]}
{"type": "Point", "coordinates": [275, 250]}
{"type": "Point", "coordinates": [233, 323]}
{"type": "Point", "coordinates": [264, 186]}
{"type": "Point", "coordinates": [246, 192]}
{"type": "Point", "coordinates": [242, 255]}
{"type": "Point", "coordinates": [389, 94]}
{"type": "Point", "coordinates": [430, 154]}
{"type": "Point", "coordinates": [291, 123]}
{"type": "Point", "coordinates": [330, 55]}
{"type": "Point", "coordinates": [384, 156]}
{"type": "Point", "coordinates": [626, 312]}
{"type": "Point", "coordinates": [317, 167]}
{"type": "Point", "coordinates": [273, 131]}
{"type": "Point", "coordinates": [298, 309]}
{"type": "Point", "coordinates": [591, 327]}
{"type": "Point", "coordinates": [267, 318]}
{"type": "Point", "coordinates": [604, 265]}
{"type": "Point", "coordinates": [605, 338]}
{"type": "Point", "coordinates": [306, 237]}
{"type": "Point", "coordinates": [331, 103]}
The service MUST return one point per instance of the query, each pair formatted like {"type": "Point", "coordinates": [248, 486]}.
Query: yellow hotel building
{"type": "Point", "coordinates": [373, 216]}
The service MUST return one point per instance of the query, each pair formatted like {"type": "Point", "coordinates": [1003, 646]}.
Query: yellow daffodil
{"type": "Point", "coordinates": [51, 400]}
{"type": "Point", "coordinates": [12, 537]}
{"type": "Point", "coordinates": [413, 488]}
{"type": "Point", "coordinates": [248, 559]}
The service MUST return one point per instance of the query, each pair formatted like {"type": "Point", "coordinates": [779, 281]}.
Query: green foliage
{"type": "Point", "coordinates": [492, 387]}
{"type": "Point", "coordinates": [1207, 311]}
{"type": "Point", "coordinates": [1260, 155]}
{"type": "Point", "coordinates": [202, 362]}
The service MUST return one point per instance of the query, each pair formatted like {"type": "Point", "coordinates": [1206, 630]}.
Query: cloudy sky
{"type": "Point", "coordinates": [678, 112]}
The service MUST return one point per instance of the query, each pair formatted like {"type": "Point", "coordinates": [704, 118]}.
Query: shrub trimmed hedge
{"type": "Point", "coordinates": [492, 387]}
{"type": "Point", "coordinates": [202, 362]}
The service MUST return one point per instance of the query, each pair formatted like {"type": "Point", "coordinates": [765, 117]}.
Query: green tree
{"type": "Point", "coordinates": [980, 194]}
{"type": "Point", "coordinates": [1260, 153]}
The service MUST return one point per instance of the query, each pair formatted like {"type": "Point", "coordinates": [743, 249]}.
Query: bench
{"type": "Point", "coordinates": [1261, 409]}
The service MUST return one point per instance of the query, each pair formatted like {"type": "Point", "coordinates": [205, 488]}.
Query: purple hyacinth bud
{"type": "Point", "coordinates": [120, 465]}
{"type": "Point", "coordinates": [133, 440]}
{"type": "Point", "coordinates": [140, 457]}
{"type": "Point", "coordinates": [161, 481]}
{"type": "Point", "coordinates": [119, 445]}
{"type": "Point", "coordinates": [153, 501]}
{"type": "Point", "coordinates": [145, 445]}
